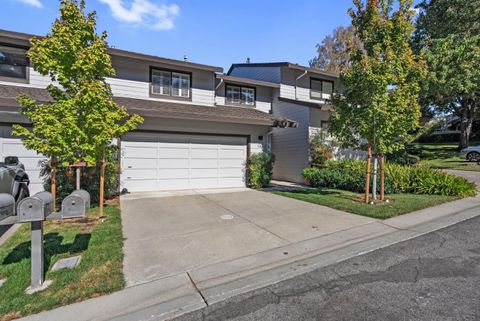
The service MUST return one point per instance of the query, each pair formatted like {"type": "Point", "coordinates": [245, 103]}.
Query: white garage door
{"type": "Point", "coordinates": [155, 162]}
{"type": "Point", "coordinates": [10, 146]}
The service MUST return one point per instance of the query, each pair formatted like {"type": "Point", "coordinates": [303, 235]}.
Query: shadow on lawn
{"type": "Point", "coordinates": [52, 246]}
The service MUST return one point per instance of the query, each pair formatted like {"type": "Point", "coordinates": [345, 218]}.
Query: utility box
{"type": "Point", "coordinates": [35, 208]}
{"type": "Point", "coordinates": [76, 204]}
{"type": "Point", "coordinates": [7, 205]}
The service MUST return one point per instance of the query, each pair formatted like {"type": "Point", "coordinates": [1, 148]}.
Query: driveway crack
{"type": "Point", "coordinates": [197, 289]}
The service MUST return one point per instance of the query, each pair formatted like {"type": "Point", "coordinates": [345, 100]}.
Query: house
{"type": "Point", "coordinates": [303, 95]}
{"type": "Point", "coordinates": [200, 125]}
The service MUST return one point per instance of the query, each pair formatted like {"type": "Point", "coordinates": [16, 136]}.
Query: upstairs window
{"type": "Point", "coordinates": [238, 95]}
{"type": "Point", "coordinates": [320, 87]}
{"type": "Point", "coordinates": [170, 83]}
{"type": "Point", "coordinates": [13, 62]}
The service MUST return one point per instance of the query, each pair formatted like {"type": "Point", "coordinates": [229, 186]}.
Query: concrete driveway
{"type": "Point", "coordinates": [171, 233]}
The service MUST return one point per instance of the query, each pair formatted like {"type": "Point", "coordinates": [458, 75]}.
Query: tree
{"type": "Point", "coordinates": [379, 109]}
{"type": "Point", "coordinates": [448, 35]}
{"type": "Point", "coordinates": [333, 54]}
{"type": "Point", "coordinates": [84, 119]}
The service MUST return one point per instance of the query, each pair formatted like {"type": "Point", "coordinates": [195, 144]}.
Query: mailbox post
{"type": "Point", "coordinates": [34, 210]}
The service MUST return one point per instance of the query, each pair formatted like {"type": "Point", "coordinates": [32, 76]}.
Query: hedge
{"type": "Point", "coordinates": [350, 175]}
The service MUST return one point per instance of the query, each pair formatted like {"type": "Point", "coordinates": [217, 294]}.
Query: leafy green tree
{"type": "Point", "coordinates": [448, 35]}
{"type": "Point", "coordinates": [84, 119]}
{"type": "Point", "coordinates": [379, 109]}
{"type": "Point", "coordinates": [333, 53]}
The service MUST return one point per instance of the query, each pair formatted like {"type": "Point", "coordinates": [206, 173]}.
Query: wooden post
{"type": "Point", "coordinates": [382, 177]}
{"type": "Point", "coordinates": [53, 175]}
{"type": "Point", "coordinates": [102, 183]}
{"type": "Point", "coordinates": [367, 183]}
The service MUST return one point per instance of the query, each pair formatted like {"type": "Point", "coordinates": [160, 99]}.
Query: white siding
{"type": "Point", "coordinates": [290, 145]}
{"type": "Point", "coordinates": [291, 88]}
{"type": "Point", "coordinates": [287, 91]}
{"type": "Point", "coordinates": [35, 80]}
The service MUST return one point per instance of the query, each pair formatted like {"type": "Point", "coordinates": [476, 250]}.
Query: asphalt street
{"type": "Point", "coordinates": [433, 277]}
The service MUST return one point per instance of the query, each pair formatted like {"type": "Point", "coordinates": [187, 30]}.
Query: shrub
{"type": "Point", "coordinates": [350, 175]}
{"type": "Point", "coordinates": [89, 180]}
{"type": "Point", "coordinates": [260, 170]}
{"type": "Point", "coordinates": [321, 149]}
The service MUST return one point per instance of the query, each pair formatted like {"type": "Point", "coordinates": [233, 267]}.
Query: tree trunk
{"type": "Point", "coordinates": [466, 123]}
{"type": "Point", "coordinates": [102, 183]}
{"type": "Point", "coordinates": [382, 177]}
{"type": "Point", "coordinates": [374, 177]}
{"type": "Point", "coordinates": [367, 183]}
{"type": "Point", "coordinates": [53, 174]}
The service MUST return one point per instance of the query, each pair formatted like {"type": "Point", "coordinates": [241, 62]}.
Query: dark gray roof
{"type": "Point", "coordinates": [248, 81]}
{"type": "Point", "coordinates": [23, 39]}
{"type": "Point", "coordinates": [283, 64]}
{"type": "Point", "coordinates": [161, 109]}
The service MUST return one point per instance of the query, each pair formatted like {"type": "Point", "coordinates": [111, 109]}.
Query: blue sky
{"type": "Point", "coordinates": [214, 32]}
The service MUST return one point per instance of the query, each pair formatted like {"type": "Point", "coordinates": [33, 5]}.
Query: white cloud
{"type": "Point", "coordinates": [144, 13]}
{"type": "Point", "coordinates": [35, 3]}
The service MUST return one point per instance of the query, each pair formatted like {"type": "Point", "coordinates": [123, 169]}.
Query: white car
{"type": "Point", "coordinates": [471, 153]}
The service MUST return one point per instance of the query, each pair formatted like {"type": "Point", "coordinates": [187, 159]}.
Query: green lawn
{"type": "Point", "coordinates": [353, 202]}
{"type": "Point", "coordinates": [100, 271]}
{"type": "Point", "coordinates": [444, 156]}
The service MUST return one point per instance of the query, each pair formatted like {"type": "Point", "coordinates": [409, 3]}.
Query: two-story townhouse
{"type": "Point", "coordinates": [303, 95]}
{"type": "Point", "coordinates": [200, 126]}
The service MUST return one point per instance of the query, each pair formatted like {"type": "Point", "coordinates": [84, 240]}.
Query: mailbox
{"type": "Point", "coordinates": [76, 204]}
{"type": "Point", "coordinates": [7, 205]}
{"type": "Point", "coordinates": [35, 208]}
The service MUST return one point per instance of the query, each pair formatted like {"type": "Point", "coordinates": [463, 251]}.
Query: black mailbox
{"type": "Point", "coordinates": [35, 208]}
{"type": "Point", "coordinates": [76, 204]}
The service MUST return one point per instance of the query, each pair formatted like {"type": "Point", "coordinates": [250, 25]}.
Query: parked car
{"type": "Point", "coordinates": [471, 153]}
{"type": "Point", "coordinates": [13, 178]}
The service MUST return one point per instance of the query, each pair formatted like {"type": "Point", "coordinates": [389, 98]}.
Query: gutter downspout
{"type": "Point", "coordinates": [215, 92]}
{"type": "Point", "coordinates": [296, 82]}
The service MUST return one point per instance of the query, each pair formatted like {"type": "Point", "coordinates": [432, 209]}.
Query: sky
{"type": "Point", "coordinates": [212, 32]}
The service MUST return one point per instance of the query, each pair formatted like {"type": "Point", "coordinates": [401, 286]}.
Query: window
{"type": "Point", "coordinates": [13, 62]}
{"type": "Point", "coordinates": [319, 87]}
{"type": "Point", "coordinates": [170, 83]}
{"type": "Point", "coordinates": [240, 95]}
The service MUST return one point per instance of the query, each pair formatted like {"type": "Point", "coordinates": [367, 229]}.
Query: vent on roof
{"type": "Point", "coordinates": [248, 60]}
{"type": "Point", "coordinates": [185, 58]}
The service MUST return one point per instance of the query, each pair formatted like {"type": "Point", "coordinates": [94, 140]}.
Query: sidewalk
{"type": "Point", "coordinates": [175, 295]}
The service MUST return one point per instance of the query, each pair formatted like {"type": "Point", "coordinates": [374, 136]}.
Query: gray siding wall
{"type": "Point", "coordinates": [133, 80]}
{"type": "Point", "coordinates": [177, 125]}
{"type": "Point", "coordinates": [270, 74]}
{"type": "Point", "coordinates": [290, 145]}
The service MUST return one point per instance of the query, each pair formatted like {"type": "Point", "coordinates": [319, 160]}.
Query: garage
{"type": "Point", "coordinates": [10, 146]}
{"type": "Point", "coordinates": [170, 161]}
